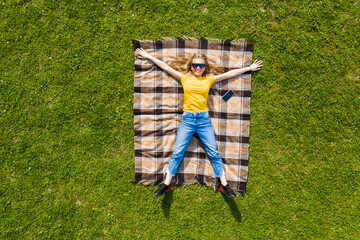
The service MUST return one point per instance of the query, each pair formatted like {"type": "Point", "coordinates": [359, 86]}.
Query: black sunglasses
{"type": "Point", "coordinates": [200, 65]}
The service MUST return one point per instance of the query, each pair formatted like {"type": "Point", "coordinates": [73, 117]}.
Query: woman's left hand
{"type": "Point", "coordinates": [257, 64]}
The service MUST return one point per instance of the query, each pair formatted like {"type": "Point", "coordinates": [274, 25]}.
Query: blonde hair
{"type": "Point", "coordinates": [184, 65]}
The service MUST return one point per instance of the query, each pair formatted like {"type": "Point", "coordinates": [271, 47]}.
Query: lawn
{"type": "Point", "coordinates": [67, 151]}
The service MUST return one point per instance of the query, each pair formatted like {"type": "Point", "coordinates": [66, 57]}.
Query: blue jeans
{"type": "Point", "coordinates": [200, 123]}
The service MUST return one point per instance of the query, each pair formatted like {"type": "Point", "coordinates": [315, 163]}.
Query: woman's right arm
{"type": "Point", "coordinates": [141, 53]}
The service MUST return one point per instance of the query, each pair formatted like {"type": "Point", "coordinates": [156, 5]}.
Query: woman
{"type": "Point", "coordinates": [196, 116]}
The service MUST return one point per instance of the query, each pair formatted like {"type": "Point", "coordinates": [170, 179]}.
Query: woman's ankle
{"type": "Point", "coordinates": [223, 180]}
{"type": "Point", "coordinates": [168, 179]}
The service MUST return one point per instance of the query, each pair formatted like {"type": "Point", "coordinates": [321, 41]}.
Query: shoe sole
{"type": "Point", "coordinates": [223, 191]}
{"type": "Point", "coordinates": [168, 190]}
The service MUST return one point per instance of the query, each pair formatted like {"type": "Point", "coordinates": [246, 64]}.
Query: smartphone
{"type": "Point", "coordinates": [228, 95]}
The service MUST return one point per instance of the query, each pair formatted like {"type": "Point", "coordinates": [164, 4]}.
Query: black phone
{"type": "Point", "coordinates": [228, 95]}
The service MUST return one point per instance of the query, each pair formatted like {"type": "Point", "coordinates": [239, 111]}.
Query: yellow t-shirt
{"type": "Point", "coordinates": [196, 92]}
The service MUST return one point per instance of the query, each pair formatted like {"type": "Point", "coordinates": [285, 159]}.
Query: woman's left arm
{"type": "Point", "coordinates": [233, 73]}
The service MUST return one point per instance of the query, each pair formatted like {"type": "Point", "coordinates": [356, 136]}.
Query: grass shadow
{"type": "Point", "coordinates": [166, 203]}
{"type": "Point", "coordinates": [233, 207]}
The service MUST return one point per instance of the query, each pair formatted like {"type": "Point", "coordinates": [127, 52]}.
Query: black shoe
{"type": "Point", "coordinates": [162, 189]}
{"type": "Point", "coordinates": [228, 191]}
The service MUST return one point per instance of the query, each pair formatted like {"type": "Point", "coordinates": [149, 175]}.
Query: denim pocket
{"type": "Point", "coordinates": [206, 115]}
{"type": "Point", "coordinates": [203, 115]}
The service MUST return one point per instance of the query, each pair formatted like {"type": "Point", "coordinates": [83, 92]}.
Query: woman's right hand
{"type": "Point", "coordinates": [141, 53]}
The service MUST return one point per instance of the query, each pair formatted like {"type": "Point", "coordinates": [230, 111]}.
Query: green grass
{"type": "Point", "coordinates": [67, 153]}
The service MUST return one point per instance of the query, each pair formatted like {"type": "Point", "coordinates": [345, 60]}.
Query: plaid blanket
{"type": "Point", "coordinates": [158, 104]}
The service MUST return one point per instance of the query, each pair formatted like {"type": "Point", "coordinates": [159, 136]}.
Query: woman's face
{"type": "Point", "coordinates": [198, 71]}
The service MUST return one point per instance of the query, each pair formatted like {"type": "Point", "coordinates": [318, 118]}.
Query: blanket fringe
{"type": "Point", "coordinates": [188, 183]}
{"type": "Point", "coordinates": [211, 40]}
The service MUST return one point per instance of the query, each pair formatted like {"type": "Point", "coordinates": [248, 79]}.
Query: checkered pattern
{"type": "Point", "coordinates": [158, 104]}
